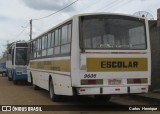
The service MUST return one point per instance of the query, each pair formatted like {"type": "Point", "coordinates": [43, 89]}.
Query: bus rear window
{"type": "Point", "coordinates": [21, 56]}
{"type": "Point", "coordinates": [113, 32]}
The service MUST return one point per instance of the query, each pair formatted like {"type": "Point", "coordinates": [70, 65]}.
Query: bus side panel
{"type": "Point", "coordinates": [29, 74]}
{"type": "Point", "coordinates": [9, 70]}
{"type": "Point", "coordinates": [40, 79]}
{"type": "Point", "coordinates": [62, 84]}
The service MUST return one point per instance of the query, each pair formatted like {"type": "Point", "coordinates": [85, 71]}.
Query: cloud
{"type": "Point", "coordinates": [3, 18]}
{"type": "Point", "coordinates": [52, 5]}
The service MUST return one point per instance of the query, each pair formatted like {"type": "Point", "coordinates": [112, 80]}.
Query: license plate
{"type": "Point", "coordinates": [114, 82]}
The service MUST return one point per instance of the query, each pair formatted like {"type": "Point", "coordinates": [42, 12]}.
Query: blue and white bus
{"type": "Point", "coordinates": [17, 62]}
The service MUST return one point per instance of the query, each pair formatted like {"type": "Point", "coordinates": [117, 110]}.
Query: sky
{"type": "Point", "coordinates": [16, 14]}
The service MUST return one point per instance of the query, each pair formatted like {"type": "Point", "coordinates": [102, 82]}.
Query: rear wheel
{"type": "Point", "coordinates": [31, 79]}
{"type": "Point", "coordinates": [35, 87]}
{"type": "Point", "coordinates": [15, 82]}
{"type": "Point", "coordinates": [53, 96]}
{"type": "Point", "coordinates": [10, 79]}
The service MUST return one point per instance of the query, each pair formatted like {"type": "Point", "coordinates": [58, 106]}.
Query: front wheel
{"type": "Point", "coordinates": [53, 96]}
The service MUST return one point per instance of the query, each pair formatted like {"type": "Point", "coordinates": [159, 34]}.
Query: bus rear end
{"type": "Point", "coordinates": [114, 56]}
{"type": "Point", "coordinates": [19, 62]}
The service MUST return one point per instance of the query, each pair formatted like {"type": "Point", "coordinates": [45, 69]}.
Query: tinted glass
{"type": "Point", "coordinates": [113, 32]}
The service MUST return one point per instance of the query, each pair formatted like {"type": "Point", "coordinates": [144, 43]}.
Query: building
{"type": "Point", "coordinates": [154, 27]}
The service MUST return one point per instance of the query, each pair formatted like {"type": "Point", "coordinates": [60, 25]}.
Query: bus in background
{"type": "Point", "coordinates": [92, 55]}
{"type": "Point", "coordinates": [3, 69]}
{"type": "Point", "coordinates": [17, 62]}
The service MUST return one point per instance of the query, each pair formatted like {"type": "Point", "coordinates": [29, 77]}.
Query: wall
{"type": "Point", "coordinates": [155, 55]}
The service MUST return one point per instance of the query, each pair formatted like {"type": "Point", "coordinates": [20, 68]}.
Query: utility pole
{"type": "Point", "coordinates": [31, 29]}
{"type": "Point", "coordinates": [158, 17]}
{"type": "Point", "coordinates": [7, 50]}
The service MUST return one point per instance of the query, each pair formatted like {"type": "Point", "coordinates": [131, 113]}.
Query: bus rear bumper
{"type": "Point", "coordinates": [111, 90]}
{"type": "Point", "coordinates": [20, 77]}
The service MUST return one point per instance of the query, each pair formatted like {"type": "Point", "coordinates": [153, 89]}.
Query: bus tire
{"type": "Point", "coordinates": [31, 79]}
{"type": "Point", "coordinates": [104, 98]}
{"type": "Point", "coordinates": [35, 87]}
{"type": "Point", "coordinates": [10, 79]}
{"type": "Point", "coordinates": [15, 82]}
{"type": "Point", "coordinates": [53, 96]}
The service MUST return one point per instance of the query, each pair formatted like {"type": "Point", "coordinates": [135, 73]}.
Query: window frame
{"type": "Point", "coordinates": [53, 44]}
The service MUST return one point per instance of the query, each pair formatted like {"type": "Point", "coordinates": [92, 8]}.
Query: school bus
{"type": "Point", "coordinates": [93, 55]}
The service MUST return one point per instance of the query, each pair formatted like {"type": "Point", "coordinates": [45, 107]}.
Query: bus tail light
{"type": "Point", "coordinates": [91, 81]}
{"type": "Point", "coordinates": [82, 90]}
{"type": "Point", "coordinates": [137, 81]}
{"type": "Point", "coordinates": [143, 88]}
{"type": "Point", "coordinates": [117, 89]}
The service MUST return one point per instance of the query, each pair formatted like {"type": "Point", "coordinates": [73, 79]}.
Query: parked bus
{"type": "Point", "coordinates": [17, 62]}
{"type": "Point", "coordinates": [93, 55]}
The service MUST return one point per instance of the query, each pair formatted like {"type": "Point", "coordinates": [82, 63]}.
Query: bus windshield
{"type": "Point", "coordinates": [112, 32]}
{"type": "Point", "coordinates": [21, 56]}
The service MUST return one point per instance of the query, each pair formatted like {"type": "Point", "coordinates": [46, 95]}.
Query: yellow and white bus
{"type": "Point", "coordinates": [92, 54]}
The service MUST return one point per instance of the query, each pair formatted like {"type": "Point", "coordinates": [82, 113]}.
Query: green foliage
{"type": "Point", "coordinates": [9, 45]}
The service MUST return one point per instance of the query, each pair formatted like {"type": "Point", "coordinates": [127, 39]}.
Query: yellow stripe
{"type": "Point", "coordinates": [116, 64]}
{"type": "Point", "coordinates": [55, 65]}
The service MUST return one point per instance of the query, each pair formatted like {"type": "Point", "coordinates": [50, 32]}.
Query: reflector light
{"type": "Point", "coordinates": [117, 89]}
{"type": "Point", "coordinates": [91, 82]}
{"type": "Point", "coordinates": [143, 88]}
{"type": "Point", "coordinates": [137, 81]}
{"type": "Point", "coordinates": [82, 90]}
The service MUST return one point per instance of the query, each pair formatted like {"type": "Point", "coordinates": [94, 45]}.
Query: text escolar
{"type": "Point", "coordinates": [119, 64]}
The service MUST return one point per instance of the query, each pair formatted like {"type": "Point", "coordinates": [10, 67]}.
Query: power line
{"type": "Point", "coordinates": [56, 11]}
{"type": "Point", "coordinates": [88, 6]}
{"type": "Point", "coordinates": [22, 31]}
{"type": "Point", "coordinates": [123, 3]}
{"type": "Point", "coordinates": [108, 5]}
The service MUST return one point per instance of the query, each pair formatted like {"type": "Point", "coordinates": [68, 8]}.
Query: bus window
{"type": "Point", "coordinates": [113, 32]}
{"type": "Point", "coordinates": [57, 42]}
{"type": "Point", "coordinates": [21, 56]}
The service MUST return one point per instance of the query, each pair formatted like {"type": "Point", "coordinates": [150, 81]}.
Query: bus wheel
{"type": "Point", "coordinates": [35, 87]}
{"type": "Point", "coordinates": [15, 82]}
{"type": "Point", "coordinates": [31, 79]}
{"type": "Point", "coordinates": [53, 96]}
{"type": "Point", "coordinates": [102, 97]}
{"type": "Point", "coordinates": [10, 79]}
